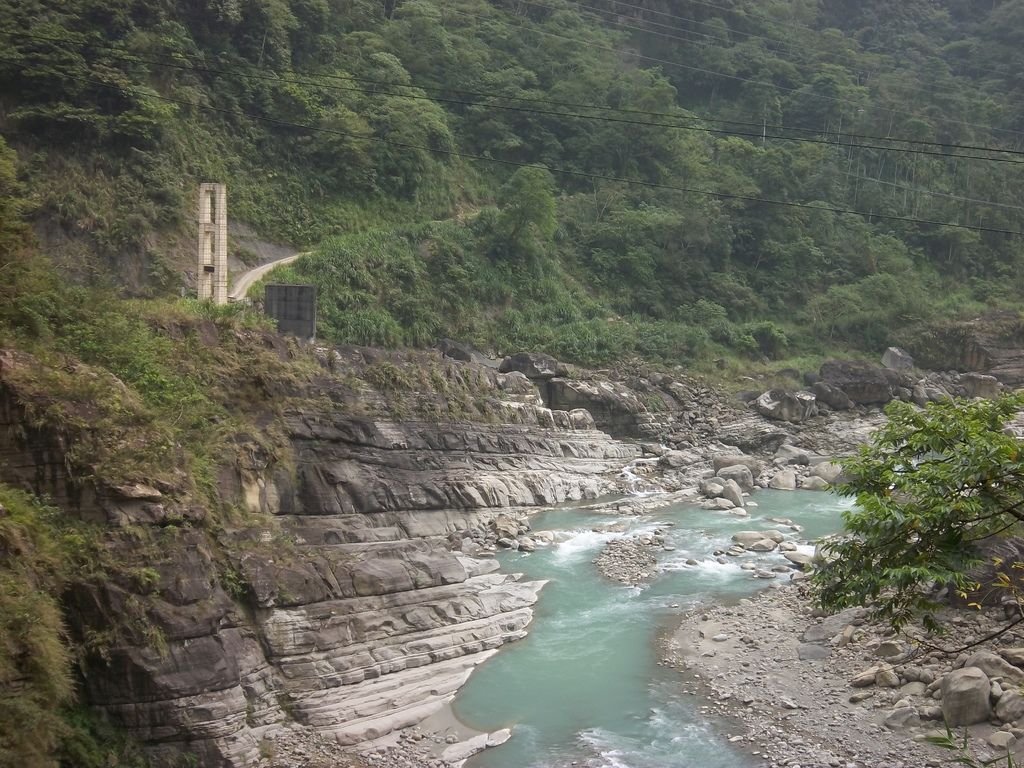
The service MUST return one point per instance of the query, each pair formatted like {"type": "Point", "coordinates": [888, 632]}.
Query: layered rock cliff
{"type": "Point", "coordinates": [337, 579]}
{"type": "Point", "coordinates": [992, 344]}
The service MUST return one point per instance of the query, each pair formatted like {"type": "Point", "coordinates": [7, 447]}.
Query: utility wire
{"type": "Point", "coordinates": [132, 90]}
{"type": "Point", "coordinates": [773, 39]}
{"type": "Point", "coordinates": [720, 74]}
{"type": "Point", "coordinates": [274, 76]}
{"type": "Point", "coordinates": [782, 46]}
{"type": "Point", "coordinates": [577, 105]}
{"type": "Point", "coordinates": [574, 115]}
{"type": "Point", "coordinates": [751, 9]}
{"type": "Point", "coordinates": [738, 78]}
{"type": "Point", "coordinates": [932, 193]}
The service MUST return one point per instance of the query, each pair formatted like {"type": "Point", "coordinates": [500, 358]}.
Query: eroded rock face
{"type": "Point", "coordinates": [371, 622]}
{"type": "Point", "coordinates": [897, 359]}
{"type": "Point", "coordinates": [616, 409]}
{"type": "Point", "coordinates": [992, 344]}
{"type": "Point", "coordinates": [347, 602]}
{"type": "Point", "coordinates": [533, 365]}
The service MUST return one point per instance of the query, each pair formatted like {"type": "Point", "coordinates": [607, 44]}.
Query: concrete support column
{"type": "Point", "coordinates": [213, 243]}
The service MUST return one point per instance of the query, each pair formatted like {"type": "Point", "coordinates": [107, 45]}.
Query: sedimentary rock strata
{"type": "Point", "coordinates": [352, 591]}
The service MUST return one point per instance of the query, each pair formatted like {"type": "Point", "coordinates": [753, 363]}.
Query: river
{"type": "Point", "coordinates": [584, 688]}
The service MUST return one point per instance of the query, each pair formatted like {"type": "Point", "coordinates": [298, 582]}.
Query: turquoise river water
{"type": "Point", "coordinates": [584, 688]}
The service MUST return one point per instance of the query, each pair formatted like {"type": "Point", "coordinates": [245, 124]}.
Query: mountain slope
{"type": "Point", "coordinates": [342, 119]}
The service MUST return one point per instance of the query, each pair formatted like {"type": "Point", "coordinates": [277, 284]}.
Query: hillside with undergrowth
{"type": "Point", "coordinates": [598, 180]}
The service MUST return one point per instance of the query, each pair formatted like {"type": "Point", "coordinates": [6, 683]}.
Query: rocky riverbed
{"type": "Point", "coordinates": [838, 691]}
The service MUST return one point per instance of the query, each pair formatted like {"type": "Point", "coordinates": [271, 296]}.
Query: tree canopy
{"type": "Point", "coordinates": [932, 487]}
{"type": "Point", "coordinates": [333, 120]}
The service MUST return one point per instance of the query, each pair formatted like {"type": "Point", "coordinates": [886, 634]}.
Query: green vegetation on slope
{"type": "Point", "coordinates": [120, 108]}
{"type": "Point", "coordinates": [33, 658]}
{"type": "Point", "coordinates": [39, 556]}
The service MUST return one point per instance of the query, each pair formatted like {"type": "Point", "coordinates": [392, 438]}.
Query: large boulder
{"type": "Point", "coordinates": [801, 560]}
{"type": "Point", "coordinates": [784, 481]}
{"type": "Point", "coordinates": [1013, 655]}
{"type": "Point", "coordinates": [965, 697]}
{"type": "Point", "coordinates": [814, 483]}
{"type": "Point", "coordinates": [790, 454]}
{"type": "Point", "coordinates": [863, 383]}
{"type": "Point", "coordinates": [457, 350]}
{"type": "Point", "coordinates": [832, 396]}
{"type": "Point", "coordinates": [712, 487]}
{"type": "Point", "coordinates": [748, 538]}
{"type": "Point", "coordinates": [740, 475]}
{"type": "Point", "coordinates": [755, 465]}
{"type": "Point", "coordinates": [733, 493]}
{"type": "Point", "coordinates": [827, 471]}
{"type": "Point", "coordinates": [896, 359]}
{"type": "Point", "coordinates": [505, 526]}
{"type": "Point", "coordinates": [534, 365]}
{"type": "Point", "coordinates": [995, 666]}
{"type": "Point", "coordinates": [1010, 708]}
{"type": "Point", "coordinates": [675, 459]}
{"type": "Point", "coordinates": [756, 436]}
{"type": "Point", "coordinates": [780, 405]}
{"type": "Point", "coordinates": [926, 391]}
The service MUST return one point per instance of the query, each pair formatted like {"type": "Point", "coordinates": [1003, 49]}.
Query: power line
{"type": "Point", "coordinates": [738, 78]}
{"type": "Point", "coordinates": [573, 115]}
{"type": "Point", "coordinates": [761, 134]}
{"type": "Point", "coordinates": [562, 171]}
{"type": "Point", "coordinates": [600, 107]}
{"type": "Point", "coordinates": [752, 10]}
{"type": "Point", "coordinates": [933, 193]}
{"type": "Point", "coordinates": [784, 46]}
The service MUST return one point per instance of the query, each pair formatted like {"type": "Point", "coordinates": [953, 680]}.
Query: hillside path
{"type": "Point", "coordinates": [244, 280]}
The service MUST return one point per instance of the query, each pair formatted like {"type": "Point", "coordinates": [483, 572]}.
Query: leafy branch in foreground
{"type": "Point", "coordinates": [930, 487]}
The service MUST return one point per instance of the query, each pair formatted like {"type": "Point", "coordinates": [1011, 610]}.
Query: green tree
{"type": "Point", "coordinates": [527, 217]}
{"type": "Point", "coordinates": [932, 485]}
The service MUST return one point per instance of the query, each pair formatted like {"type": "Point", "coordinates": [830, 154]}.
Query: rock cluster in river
{"type": "Point", "coordinates": [633, 559]}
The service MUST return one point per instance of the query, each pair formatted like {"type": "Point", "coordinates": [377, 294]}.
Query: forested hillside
{"type": "Point", "coordinates": [665, 178]}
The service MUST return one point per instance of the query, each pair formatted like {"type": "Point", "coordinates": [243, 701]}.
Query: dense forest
{"type": "Point", "coordinates": [671, 179]}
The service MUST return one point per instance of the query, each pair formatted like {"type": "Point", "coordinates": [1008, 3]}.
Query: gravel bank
{"type": "Point", "coordinates": [440, 741]}
{"type": "Point", "coordinates": [787, 674]}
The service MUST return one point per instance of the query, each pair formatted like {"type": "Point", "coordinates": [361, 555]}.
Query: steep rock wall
{"type": "Point", "coordinates": [340, 597]}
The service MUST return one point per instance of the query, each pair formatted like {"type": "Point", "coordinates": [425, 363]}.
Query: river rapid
{"type": "Point", "coordinates": [585, 687]}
